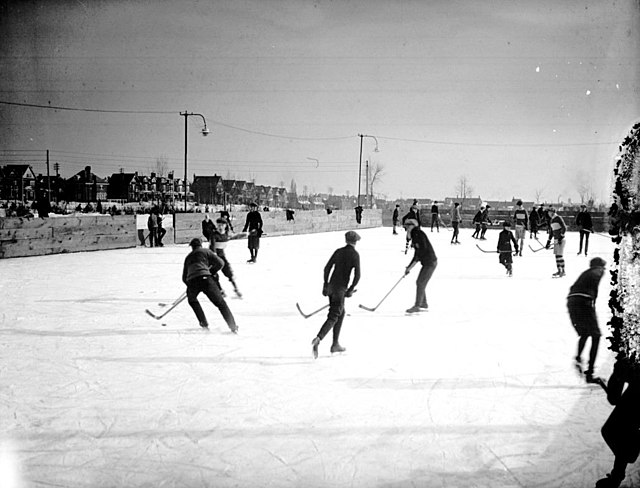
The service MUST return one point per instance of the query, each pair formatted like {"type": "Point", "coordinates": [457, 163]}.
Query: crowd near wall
{"type": "Point", "coordinates": [36, 236]}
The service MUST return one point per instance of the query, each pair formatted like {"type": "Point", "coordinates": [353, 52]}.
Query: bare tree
{"type": "Point", "coordinates": [293, 188]}
{"type": "Point", "coordinates": [162, 166]}
{"type": "Point", "coordinates": [330, 190]}
{"type": "Point", "coordinates": [463, 189]}
{"type": "Point", "coordinates": [538, 193]}
{"type": "Point", "coordinates": [584, 187]}
{"type": "Point", "coordinates": [377, 172]}
{"type": "Point", "coordinates": [230, 175]}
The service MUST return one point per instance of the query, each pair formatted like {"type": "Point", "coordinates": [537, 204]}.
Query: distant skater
{"type": "Point", "coordinates": [477, 222]}
{"type": "Point", "coordinates": [426, 256]}
{"type": "Point", "coordinates": [337, 273]}
{"type": "Point", "coordinates": [395, 217]}
{"type": "Point", "coordinates": [254, 225]}
{"type": "Point", "coordinates": [199, 267]}
{"type": "Point", "coordinates": [485, 220]}
{"type": "Point", "coordinates": [521, 220]}
{"type": "Point", "coordinates": [456, 219]}
{"type": "Point", "coordinates": [585, 227]}
{"type": "Point", "coordinates": [621, 430]}
{"type": "Point", "coordinates": [534, 219]}
{"type": "Point", "coordinates": [505, 238]}
{"type": "Point", "coordinates": [435, 216]}
{"type": "Point", "coordinates": [581, 303]}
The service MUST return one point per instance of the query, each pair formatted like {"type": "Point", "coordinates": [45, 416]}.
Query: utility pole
{"type": "Point", "coordinates": [366, 175]}
{"type": "Point", "coordinates": [48, 179]}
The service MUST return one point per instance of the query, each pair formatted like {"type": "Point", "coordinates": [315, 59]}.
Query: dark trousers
{"type": "Point", "coordinates": [421, 283]}
{"type": "Point", "coordinates": [226, 269]}
{"type": "Point", "coordinates": [207, 285]}
{"type": "Point", "coordinates": [335, 316]}
{"type": "Point", "coordinates": [456, 231]}
{"type": "Point", "coordinates": [476, 233]}
{"type": "Point", "coordinates": [160, 233]}
{"type": "Point", "coordinates": [584, 235]}
{"type": "Point", "coordinates": [585, 322]}
{"type": "Point", "coordinates": [435, 219]}
{"type": "Point", "coordinates": [153, 236]}
{"type": "Point", "coordinates": [483, 230]}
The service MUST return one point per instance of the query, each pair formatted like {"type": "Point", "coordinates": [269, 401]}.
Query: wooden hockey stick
{"type": "Point", "coordinates": [307, 315]}
{"type": "Point", "coordinates": [173, 305]}
{"type": "Point", "coordinates": [384, 297]}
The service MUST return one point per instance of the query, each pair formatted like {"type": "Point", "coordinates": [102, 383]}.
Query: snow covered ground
{"type": "Point", "coordinates": [478, 392]}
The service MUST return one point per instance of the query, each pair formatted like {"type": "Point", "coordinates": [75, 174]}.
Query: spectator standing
{"type": "Point", "coordinates": [253, 224]}
{"type": "Point", "coordinates": [208, 226]}
{"type": "Point", "coordinates": [534, 219]}
{"type": "Point", "coordinates": [395, 217]}
{"type": "Point", "coordinates": [585, 227]}
{"type": "Point", "coordinates": [152, 225]}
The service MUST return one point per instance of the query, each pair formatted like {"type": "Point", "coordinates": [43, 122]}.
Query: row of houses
{"type": "Point", "coordinates": [20, 183]}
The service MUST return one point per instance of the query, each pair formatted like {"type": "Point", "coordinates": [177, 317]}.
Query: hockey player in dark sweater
{"type": "Point", "coordinates": [426, 256]}
{"type": "Point", "coordinates": [199, 267]}
{"type": "Point", "coordinates": [505, 238]}
{"type": "Point", "coordinates": [208, 227]}
{"type": "Point", "coordinates": [336, 287]}
{"type": "Point", "coordinates": [585, 226]}
{"type": "Point", "coordinates": [581, 302]}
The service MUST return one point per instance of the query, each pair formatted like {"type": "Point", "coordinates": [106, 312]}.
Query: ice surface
{"type": "Point", "coordinates": [478, 392]}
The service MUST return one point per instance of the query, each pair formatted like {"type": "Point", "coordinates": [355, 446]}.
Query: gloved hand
{"type": "Point", "coordinates": [407, 270]}
{"type": "Point", "coordinates": [325, 289]}
{"type": "Point", "coordinates": [548, 246]}
{"type": "Point", "coordinates": [349, 293]}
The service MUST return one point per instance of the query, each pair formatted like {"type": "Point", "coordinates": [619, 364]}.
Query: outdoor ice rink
{"type": "Point", "coordinates": [479, 391]}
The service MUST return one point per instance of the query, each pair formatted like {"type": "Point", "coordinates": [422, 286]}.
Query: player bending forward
{"type": "Point", "coordinates": [337, 287]}
{"type": "Point", "coordinates": [197, 273]}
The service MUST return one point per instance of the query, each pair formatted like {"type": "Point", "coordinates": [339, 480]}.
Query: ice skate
{"type": "Point", "coordinates": [424, 308]}
{"type": "Point", "coordinates": [578, 365]}
{"type": "Point", "coordinates": [337, 348]}
{"type": "Point", "coordinates": [204, 325]}
{"type": "Point", "coordinates": [414, 309]}
{"type": "Point", "coordinates": [234, 329]}
{"type": "Point", "coordinates": [314, 349]}
{"type": "Point", "coordinates": [609, 482]}
{"type": "Point", "coordinates": [558, 274]}
{"type": "Point", "coordinates": [237, 292]}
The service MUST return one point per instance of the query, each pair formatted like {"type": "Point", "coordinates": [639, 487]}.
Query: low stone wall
{"type": "Point", "coordinates": [189, 225]}
{"type": "Point", "coordinates": [54, 235]}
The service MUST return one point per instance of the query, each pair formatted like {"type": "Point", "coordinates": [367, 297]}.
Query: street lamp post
{"type": "Point", "coordinates": [362, 136]}
{"type": "Point", "coordinates": [205, 132]}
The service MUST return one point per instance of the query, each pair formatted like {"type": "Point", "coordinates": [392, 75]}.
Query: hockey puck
{"type": "Point", "coordinates": [164, 325]}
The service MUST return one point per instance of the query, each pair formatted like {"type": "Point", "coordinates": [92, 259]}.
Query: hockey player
{"type": "Point", "coordinates": [413, 214]}
{"type": "Point", "coordinates": [197, 273]}
{"type": "Point", "coordinates": [254, 224]}
{"type": "Point", "coordinates": [534, 219]}
{"type": "Point", "coordinates": [582, 312]}
{"type": "Point", "coordinates": [336, 287]}
{"type": "Point", "coordinates": [505, 238]}
{"type": "Point", "coordinates": [557, 230]}
{"type": "Point", "coordinates": [455, 222]}
{"type": "Point", "coordinates": [219, 243]}
{"type": "Point", "coordinates": [477, 221]}
{"type": "Point", "coordinates": [208, 226]}
{"type": "Point", "coordinates": [521, 220]}
{"type": "Point", "coordinates": [585, 226]}
{"type": "Point", "coordinates": [426, 256]}
{"type": "Point", "coordinates": [484, 221]}
{"type": "Point", "coordinates": [620, 431]}
{"type": "Point", "coordinates": [435, 216]}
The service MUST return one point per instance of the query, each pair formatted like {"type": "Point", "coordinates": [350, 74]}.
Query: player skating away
{"type": "Point", "coordinates": [581, 303]}
{"type": "Point", "coordinates": [585, 226]}
{"type": "Point", "coordinates": [197, 273]}
{"type": "Point", "coordinates": [254, 225]}
{"type": "Point", "coordinates": [505, 238]}
{"type": "Point", "coordinates": [337, 273]}
{"type": "Point", "coordinates": [557, 230]}
{"type": "Point", "coordinates": [521, 220]}
{"type": "Point", "coordinates": [426, 256]}
{"type": "Point", "coordinates": [220, 240]}
{"type": "Point", "coordinates": [620, 431]}
{"type": "Point", "coordinates": [456, 219]}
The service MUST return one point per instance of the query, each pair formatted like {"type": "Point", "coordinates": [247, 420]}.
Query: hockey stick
{"type": "Point", "coordinates": [384, 297]}
{"type": "Point", "coordinates": [173, 305]}
{"type": "Point", "coordinates": [536, 250]}
{"type": "Point", "coordinates": [161, 304]}
{"type": "Point", "coordinates": [492, 252]}
{"type": "Point", "coordinates": [307, 315]}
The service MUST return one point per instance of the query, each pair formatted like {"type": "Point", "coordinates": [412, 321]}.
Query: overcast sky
{"type": "Point", "coordinates": [526, 99]}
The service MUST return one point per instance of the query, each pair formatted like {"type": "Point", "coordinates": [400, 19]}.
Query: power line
{"type": "Point", "coordinates": [74, 109]}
